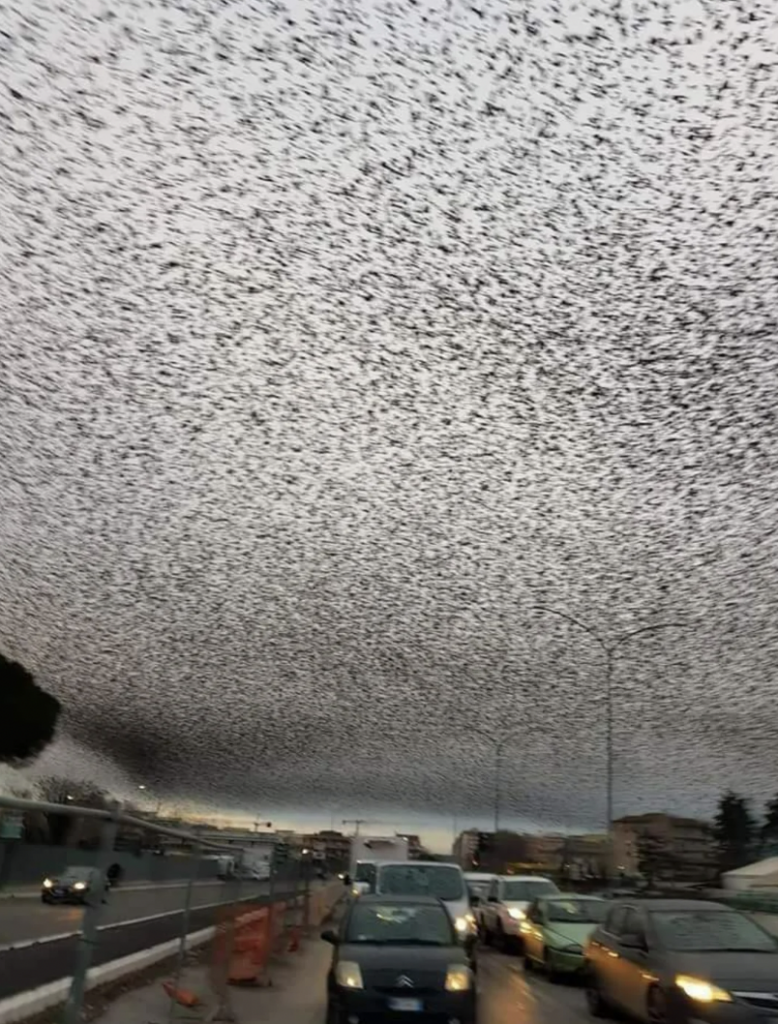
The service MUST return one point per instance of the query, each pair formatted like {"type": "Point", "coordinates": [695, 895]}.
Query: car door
{"type": "Point", "coordinates": [532, 931]}
{"type": "Point", "coordinates": [490, 907]}
{"type": "Point", "coordinates": [634, 974]}
{"type": "Point", "coordinates": [604, 955]}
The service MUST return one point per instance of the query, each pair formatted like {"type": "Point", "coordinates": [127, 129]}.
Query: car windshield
{"type": "Point", "coordinates": [76, 875]}
{"type": "Point", "coordinates": [422, 880]}
{"type": "Point", "coordinates": [711, 930]}
{"type": "Point", "coordinates": [400, 924]}
{"type": "Point", "coordinates": [576, 911]}
{"type": "Point", "coordinates": [527, 889]}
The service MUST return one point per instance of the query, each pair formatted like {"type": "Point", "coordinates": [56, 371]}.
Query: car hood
{"type": "Point", "coordinates": [744, 972]}
{"type": "Point", "coordinates": [401, 958]}
{"type": "Point", "coordinates": [562, 934]}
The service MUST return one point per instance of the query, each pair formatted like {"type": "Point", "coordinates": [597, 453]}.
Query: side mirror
{"type": "Point", "coordinates": [347, 879]}
{"type": "Point", "coordinates": [330, 936]}
{"type": "Point", "coordinates": [493, 899]}
{"type": "Point", "coordinates": [475, 901]}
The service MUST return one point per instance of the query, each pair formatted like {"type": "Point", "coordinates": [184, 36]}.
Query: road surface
{"type": "Point", "coordinates": [37, 963]}
{"type": "Point", "coordinates": [506, 994]}
{"type": "Point", "coordinates": [25, 920]}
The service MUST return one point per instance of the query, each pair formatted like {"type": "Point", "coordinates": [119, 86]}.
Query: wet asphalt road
{"type": "Point", "coordinates": [23, 920]}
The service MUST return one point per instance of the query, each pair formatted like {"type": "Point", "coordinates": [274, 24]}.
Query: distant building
{"type": "Point", "coordinates": [684, 847]}
{"type": "Point", "coordinates": [328, 846]}
{"type": "Point", "coordinates": [761, 875]}
{"type": "Point", "coordinates": [415, 849]}
{"type": "Point", "coordinates": [464, 849]}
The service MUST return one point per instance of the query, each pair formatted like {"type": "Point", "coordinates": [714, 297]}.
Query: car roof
{"type": "Point", "coordinates": [478, 876]}
{"type": "Point", "coordinates": [425, 901]}
{"type": "Point", "coordinates": [417, 864]}
{"type": "Point", "coordinates": [571, 896]}
{"type": "Point", "coordinates": [671, 904]}
{"type": "Point", "coordinates": [524, 878]}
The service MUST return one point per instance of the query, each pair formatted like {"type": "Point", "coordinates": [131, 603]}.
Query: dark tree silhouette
{"type": "Point", "coordinates": [56, 789]}
{"type": "Point", "coordinates": [770, 826]}
{"type": "Point", "coordinates": [28, 715]}
{"type": "Point", "coordinates": [735, 831]}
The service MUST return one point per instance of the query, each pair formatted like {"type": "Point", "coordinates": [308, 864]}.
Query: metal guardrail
{"type": "Point", "coordinates": [112, 817]}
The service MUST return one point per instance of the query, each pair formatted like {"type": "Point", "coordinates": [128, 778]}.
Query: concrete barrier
{"type": "Point", "coordinates": [28, 1004]}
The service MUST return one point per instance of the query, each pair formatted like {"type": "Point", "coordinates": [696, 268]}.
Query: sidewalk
{"type": "Point", "coordinates": [29, 892]}
{"type": "Point", "coordinates": [296, 995]}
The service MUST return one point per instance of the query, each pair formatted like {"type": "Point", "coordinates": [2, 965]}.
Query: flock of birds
{"type": "Point", "coordinates": [340, 340]}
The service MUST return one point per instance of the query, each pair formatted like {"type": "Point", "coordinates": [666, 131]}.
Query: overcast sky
{"type": "Point", "coordinates": [335, 339]}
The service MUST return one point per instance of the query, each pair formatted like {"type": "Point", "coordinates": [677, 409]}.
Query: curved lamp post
{"type": "Point", "coordinates": [498, 742]}
{"type": "Point", "coordinates": [609, 648]}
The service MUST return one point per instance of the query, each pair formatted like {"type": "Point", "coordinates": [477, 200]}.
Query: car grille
{"type": "Point", "coordinates": [760, 1000]}
{"type": "Point", "coordinates": [424, 982]}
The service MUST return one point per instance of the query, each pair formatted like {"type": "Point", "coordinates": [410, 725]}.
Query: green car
{"type": "Point", "coordinates": [555, 930]}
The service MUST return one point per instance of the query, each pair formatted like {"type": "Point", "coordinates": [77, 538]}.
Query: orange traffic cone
{"type": "Point", "coordinates": [181, 995]}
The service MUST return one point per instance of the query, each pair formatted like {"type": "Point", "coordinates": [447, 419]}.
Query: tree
{"type": "Point", "coordinates": [734, 830]}
{"type": "Point", "coordinates": [769, 833]}
{"type": "Point", "coordinates": [56, 789]}
{"type": "Point", "coordinates": [28, 715]}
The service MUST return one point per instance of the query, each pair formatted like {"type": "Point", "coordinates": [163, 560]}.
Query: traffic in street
{"type": "Point", "coordinates": [30, 920]}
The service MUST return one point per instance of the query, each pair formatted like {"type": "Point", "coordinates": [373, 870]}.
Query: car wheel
{"type": "Point", "coordinates": [45, 899]}
{"type": "Point", "coordinates": [529, 963]}
{"type": "Point", "coordinates": [486, 935]}
{"type": "Point", "coordinates": [333, 1014]}
{"type": "Point", "coordinates": [548, 966]}
{"type": "Point", "coordinates": [596, 1004]}
{"type": "Point", "coordinates": [658, 1008]}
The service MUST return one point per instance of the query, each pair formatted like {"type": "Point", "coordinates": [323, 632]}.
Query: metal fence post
{"type": "Point", "coordinates": [181, 956]}
{"type": "Point", "coordinates": [271, 877]}
{"type": "Point", "coordinates": [94, 902]}
{"type": "Point", "coordinates": [307, 865]}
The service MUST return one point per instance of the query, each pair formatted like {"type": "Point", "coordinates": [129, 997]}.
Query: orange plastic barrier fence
{"type": "Point", "coordinates": [250, 947]}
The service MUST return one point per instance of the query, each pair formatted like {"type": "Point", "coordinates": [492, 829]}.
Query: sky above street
{"type": "Point", "coordinates": [343, 345]}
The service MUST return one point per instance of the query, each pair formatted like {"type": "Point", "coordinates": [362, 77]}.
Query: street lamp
{"type": "Point", "coordinates": [498, 743]}
{"type": "Point", "coordinates": [609, 648]}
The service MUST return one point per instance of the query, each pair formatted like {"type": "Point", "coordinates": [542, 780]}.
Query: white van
{"type": "Point", "coordinates": [429, 878]}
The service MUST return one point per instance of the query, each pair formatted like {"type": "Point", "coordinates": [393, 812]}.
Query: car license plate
{"type": "Point", "coordinates": [406, 1005]}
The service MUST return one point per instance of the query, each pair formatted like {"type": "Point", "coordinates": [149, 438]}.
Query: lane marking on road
{"type": "Point", "coordinates": [116, 924]}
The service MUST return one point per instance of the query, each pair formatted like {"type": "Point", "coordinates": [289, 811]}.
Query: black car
{"type": "Point", "coordinates": [399, 958]}
{"type": "Point", "coordinates": [74, 885]}
{"type": "Point", "coordinates": [682, 962]}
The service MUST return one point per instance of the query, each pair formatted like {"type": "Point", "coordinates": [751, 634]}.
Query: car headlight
{"type": "Point", "coordinates": [348, 974]}
{"type": "Point", "coordinates": [466, 923]}
{"type": "Point", "coordinates": [79, 886]}
{"type": "Point", "coordinates": [47, 883]}
{"type": "Point", "coordinates": [702, 991]}
{"type": "Point", "coordinates": [516, 914]}
{"type": "Point", "coordinates": [458, 978]}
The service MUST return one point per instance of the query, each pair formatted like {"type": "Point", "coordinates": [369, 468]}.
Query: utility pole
{"type": "Point", "coordinates": [356, 822]}
{"type": "Point", "coordinates": [498, 742]}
